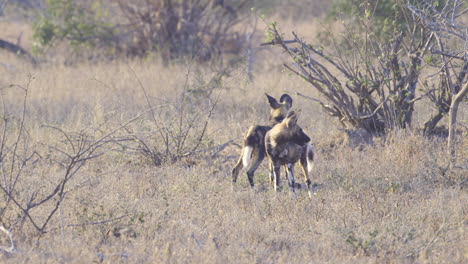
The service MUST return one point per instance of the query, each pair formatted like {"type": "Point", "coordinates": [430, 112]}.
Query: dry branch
{"type": "Point", "coordinates": [16, 49]}
{"type": "Point", "coordinates": [454, 63]}
{"type": "Point", "coordinates": [188, 27]}
{"type": "Point", "coordinates": [373, 96]}
{"type": "Point", "coordinates": [180, 126]}
{"type": "Point", "coordinates": [74, 151]}
{"type": "Point", "coordinates": [453, 66]}
{"type": "Point", "coordinates": [453, 122]}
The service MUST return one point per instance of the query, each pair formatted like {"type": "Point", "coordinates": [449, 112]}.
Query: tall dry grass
{"type": "Point", "coordinates": [391, 203]}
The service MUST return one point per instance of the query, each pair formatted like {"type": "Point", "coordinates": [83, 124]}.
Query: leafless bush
{"type": "Point", "coordinates": [368, 84]}
{"type": "Point", "coordinates": [15, 152]}
{"type": "Point", "coordinates": [448, 55]}
{"type": "Point", "coordinates": [69, 155]}
{"type": "Point", "coordinates": [19, 157]}
{"type": "Point", "coordinates": [14, 155]}
{"type": "Point", "coordinates": [177, 128]}
{"type": "Point", "coordinates": [175, 28]}
{"type": "Point", "coordinates": [452, 49]}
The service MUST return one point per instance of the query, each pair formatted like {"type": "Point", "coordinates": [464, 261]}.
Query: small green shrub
{"type": "Point", "coordinates": [386, 15]}
{"type": "Point", "coordinates": [65, 20]}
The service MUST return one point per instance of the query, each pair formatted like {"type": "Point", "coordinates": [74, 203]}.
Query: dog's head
{"type": "Point", "coordinates": [288, 131]}
{"type": "Point", "coordinates": [279, 110]}
{"type": "Point", "coordinates": [293, 131]}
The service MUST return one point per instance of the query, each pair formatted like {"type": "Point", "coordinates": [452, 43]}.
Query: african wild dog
{"type": "Point", "coordinates": [253, 150]}
{"type": "Point", "coordinates": [285, 144]}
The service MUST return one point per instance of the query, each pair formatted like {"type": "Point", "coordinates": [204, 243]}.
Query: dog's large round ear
{"type": "Point", "coordinates": [273, 103]}
{"type": "Point", "coordinates": [286, 99]}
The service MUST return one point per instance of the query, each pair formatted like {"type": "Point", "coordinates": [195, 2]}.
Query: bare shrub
{"type": "Point", "coordinates": [15, 151]}
{"type": "Point", "coordinates": [176, 28]}
{"type": "Point", "coordinates": [22, 196]}
{"type": "Point", "coordinates": [15, 155]}
{"type": "Point", "coordinates": [177, 128]}
{"type": "Point", "coordinates": [368, 83]}
{"type": "Point", "coordinates": [452, 50]}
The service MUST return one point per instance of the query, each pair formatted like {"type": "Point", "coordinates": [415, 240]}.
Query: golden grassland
{"type": "Point", "coordinates": [391, 203]}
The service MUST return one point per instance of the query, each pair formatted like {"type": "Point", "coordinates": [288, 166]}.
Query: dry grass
{"type": "Point", "coordinates": [392, 203]}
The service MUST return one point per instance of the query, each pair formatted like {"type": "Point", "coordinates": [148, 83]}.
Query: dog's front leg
{"type": "Point", "coordinates": [291, 182]}
{"type": "Point", "coordinates": [276, 175]}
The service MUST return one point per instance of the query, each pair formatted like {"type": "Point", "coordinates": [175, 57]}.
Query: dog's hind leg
{"type": "Point", "coordinates": [237, 169]}
{"type": "Point", "coordinates": [307, 164]}
{"type": "Point", "coordinates": [290, 175]}
{"type": "Point", "coordinates": [276, 175]}
{"type": "Point", "coordinates": [257, 157]}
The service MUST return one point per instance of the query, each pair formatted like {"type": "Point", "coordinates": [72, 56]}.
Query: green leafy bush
{"type": "Point", "coordinates": [78, 25]}
{"type": "Point", "coordinates": [386, 15]}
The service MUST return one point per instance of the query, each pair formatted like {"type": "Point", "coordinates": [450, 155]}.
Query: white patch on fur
{"type": "Point", "coordinates": [310, 163]}
{"type": "Point", "coordinates": [276, 187]}
{"type": "Point", "coordinates": [273, 144]}
{"type": "Point", "coordinates": [247, 156]}
{"type": "Point", "coordinates": [290, 174]}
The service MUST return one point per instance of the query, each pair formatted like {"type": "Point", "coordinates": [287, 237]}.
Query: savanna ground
{"type": "Point", "coordinates": [395, 202]}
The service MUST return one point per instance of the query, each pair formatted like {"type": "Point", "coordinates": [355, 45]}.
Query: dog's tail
{"type": "Point", "coordinates": [254, 145]}
{"type": "Point", "coordinates": [310, 158]}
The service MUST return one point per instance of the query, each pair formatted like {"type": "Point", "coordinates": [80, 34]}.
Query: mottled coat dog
{"type": "Point", "coordinates": [285, 144]}
{"type": "Point", "coordinates": [253, 149]}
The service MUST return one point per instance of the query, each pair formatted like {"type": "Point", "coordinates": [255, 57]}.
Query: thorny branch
{"type": "Point", "coordinates": [363, 94]}
{"type": "Point", "coordinates": [453, 66]}
{"type": "Point", "coordinates": [82, 148]}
